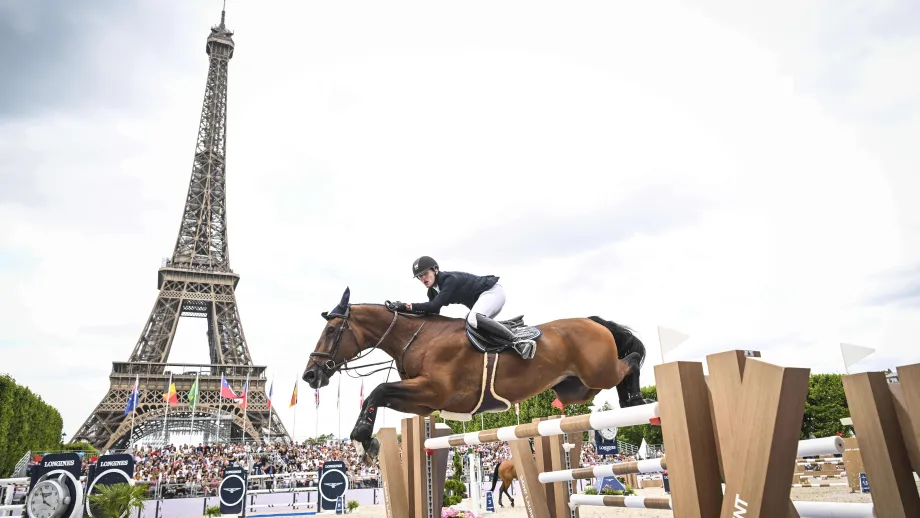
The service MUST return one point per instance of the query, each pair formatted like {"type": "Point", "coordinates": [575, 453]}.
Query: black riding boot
{"type": "Point", "coordinates": [526, 348]}
{"type": "Point", "coordinates": [487, 324]}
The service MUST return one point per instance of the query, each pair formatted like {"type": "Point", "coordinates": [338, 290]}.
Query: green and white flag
{"type": "Point", "coordinates": [193, 394]}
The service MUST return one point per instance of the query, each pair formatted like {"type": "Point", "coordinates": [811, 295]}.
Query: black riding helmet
{"type": "Point", "coordinates": [423, 263]}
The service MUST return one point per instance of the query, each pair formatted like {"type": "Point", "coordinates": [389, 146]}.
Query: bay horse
{"type": "Point", "coordinates": [440, 370]}
{"type": "Point", "coordinates": [506, 473]}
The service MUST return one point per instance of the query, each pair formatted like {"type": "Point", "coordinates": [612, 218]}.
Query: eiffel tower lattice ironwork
{"type": "Point", "coordinates": [196, 282]}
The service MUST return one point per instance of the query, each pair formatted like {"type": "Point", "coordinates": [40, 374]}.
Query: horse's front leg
{"type": "Point", "coordinates": [413, 396]}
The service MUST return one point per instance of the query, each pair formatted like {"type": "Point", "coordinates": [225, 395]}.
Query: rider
{"type": "Point", "coordinates": [483, 296]}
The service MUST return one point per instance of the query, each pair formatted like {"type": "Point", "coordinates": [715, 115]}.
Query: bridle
{"type": "Point", "coordinates": [330, 366]}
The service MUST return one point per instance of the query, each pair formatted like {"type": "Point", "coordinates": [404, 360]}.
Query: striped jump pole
{"type": "Point", "coordinates": [630, 416]}
{"type": "Point", "coordinates": [605, 470]}
{"type": "Point", "coordinates": [805, 509]}
{"type": "Point", "coordinates": [632, 502]}
{"type": "Point", "coordinates": [826, 445]}
{"type": "Point", "coordinates": [822, 446]}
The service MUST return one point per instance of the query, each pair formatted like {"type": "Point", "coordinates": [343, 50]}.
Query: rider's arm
{"type": "Point", "coordinates": [447, 287]}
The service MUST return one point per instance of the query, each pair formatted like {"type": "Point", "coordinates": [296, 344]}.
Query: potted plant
{"type": "Point", "coordinates": [117, 500]}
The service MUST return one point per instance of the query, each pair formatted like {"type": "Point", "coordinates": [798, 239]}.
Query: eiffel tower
{"type": "Point", "coordinates": [196, 282]}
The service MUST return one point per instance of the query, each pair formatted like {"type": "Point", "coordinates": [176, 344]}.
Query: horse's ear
{"type": "Point", "coordinates": [345, 297]}
{"type": "Point", "coordinates": [325, 314]}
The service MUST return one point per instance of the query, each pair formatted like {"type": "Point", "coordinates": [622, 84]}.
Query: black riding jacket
{"type": "Point", "coordinates": [455, 288]}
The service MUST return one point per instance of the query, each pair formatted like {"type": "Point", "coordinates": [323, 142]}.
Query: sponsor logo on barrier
{"type": "Point", "coordinates": [56, 463]}
{"type": "Point", "coordinates": [740, 507]}
{"type": "Point", "coordinates": [113, 463]}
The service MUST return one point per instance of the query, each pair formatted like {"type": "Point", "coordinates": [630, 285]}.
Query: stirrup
{"type": "Point", "coordinates": [526, 348]}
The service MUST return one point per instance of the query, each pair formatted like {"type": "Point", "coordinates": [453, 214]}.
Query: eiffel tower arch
{"type": "Point", "coordinates": [195, 282]}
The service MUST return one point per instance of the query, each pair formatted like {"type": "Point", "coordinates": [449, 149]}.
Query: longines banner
{"type": "Point", "coordinates": [66, 468]}
{"type": "Point", "coordinates": [232, 491]}
{"type": "Point", "coordinates": [69, 462]}
{"type": "Point", "coordinates": [109, 470]}
{"type": "Point", "coordinates": [333, 482]}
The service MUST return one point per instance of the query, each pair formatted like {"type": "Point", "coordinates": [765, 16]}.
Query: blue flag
{"type": "Point", "coordinates": [132, 398]}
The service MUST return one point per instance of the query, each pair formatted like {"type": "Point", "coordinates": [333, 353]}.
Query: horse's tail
{"type": "Point", "coordinates": [631, 350]}
{"type": "Point", "coordinates": [495, 475]}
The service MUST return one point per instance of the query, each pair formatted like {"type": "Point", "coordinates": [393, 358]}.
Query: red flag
{"type": "Point", "coordinates": [558, 404]}
{"type": "Point", "coordinates": [225, 390]}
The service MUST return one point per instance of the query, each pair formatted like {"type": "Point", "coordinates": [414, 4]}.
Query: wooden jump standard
{"type": "Point", "coordinates": [740, 424]}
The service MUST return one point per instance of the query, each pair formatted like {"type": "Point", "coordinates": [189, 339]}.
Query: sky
{"type": "Point", "coordinates": [741, 172]}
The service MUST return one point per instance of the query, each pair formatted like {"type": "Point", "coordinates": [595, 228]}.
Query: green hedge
{"type": "Point", "coordinates": [26, 423]}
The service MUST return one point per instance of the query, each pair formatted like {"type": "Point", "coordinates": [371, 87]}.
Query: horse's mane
{"type": "Point", "coordinates": [405, 314]}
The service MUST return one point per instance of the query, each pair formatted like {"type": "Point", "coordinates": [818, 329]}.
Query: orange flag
{"type": "Point", "coordinates": [171, 397]}
{"type": "Point", "coordinates": [294, 395]}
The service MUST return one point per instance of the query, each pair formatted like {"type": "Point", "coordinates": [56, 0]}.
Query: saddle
{"type": "Point", "coordinates": [525, 338]}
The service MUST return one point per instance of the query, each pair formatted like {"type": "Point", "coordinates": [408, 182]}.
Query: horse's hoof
{"type": "Point", "coordinates": [369, 450]}
{"type": "Point", "coordinates": [372, 448]}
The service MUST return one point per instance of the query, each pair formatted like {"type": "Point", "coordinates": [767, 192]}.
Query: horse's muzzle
{"type": "Point", "coordinates": [315, 377]}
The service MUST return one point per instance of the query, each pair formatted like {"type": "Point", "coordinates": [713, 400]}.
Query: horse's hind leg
{"type": "Point", "coordinates": [629, 390]}
{"type": "Point", "coordinates": [505, 491]}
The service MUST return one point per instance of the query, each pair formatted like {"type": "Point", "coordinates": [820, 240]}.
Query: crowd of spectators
{"type": "Point", "coordinates": [178, 471]}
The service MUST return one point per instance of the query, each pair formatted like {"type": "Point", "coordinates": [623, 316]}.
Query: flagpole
{"type": "Point", "coordinates": [246, 410]}
{"type": "Point", "coordinates": [166, 415]}
{"type": "Point", "coordinates": [271, 389]}
{"type": "Point", "coordinates": [137, 390]}
{"type": "Point", "coordinates": [338, 406]}
{"type": "Point", "coordinates": [220, 401]}
{"type": "Point", "coordinates": [196, 403]}
{"type": "Point", "coordinates": [294, 406]}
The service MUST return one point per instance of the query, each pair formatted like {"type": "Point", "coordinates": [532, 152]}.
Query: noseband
{"type": "Point", "coordinates": [330, 366]}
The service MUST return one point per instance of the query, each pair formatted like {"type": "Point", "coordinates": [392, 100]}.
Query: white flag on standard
{"type": "Point", "coordinates": [853, 354]}
{"type": "Point", "coordinates": [669, 340]}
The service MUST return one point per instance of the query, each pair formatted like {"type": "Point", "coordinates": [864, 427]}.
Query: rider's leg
{"type": "Point", "coordinates": [489, 304]}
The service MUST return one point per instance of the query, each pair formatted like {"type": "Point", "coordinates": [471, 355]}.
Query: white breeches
{"type": "Point", "coordinates": [490, 303]}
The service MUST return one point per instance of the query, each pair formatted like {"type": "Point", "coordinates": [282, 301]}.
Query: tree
{"type": "Point", "coordinates": [26, 423]}
{"type": "Point", "coordinates": [454, 488]}
{"type": "Point", "coordinates": [825, 405]}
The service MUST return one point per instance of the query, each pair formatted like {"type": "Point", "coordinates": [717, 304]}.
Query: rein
{"type": "Point", "coordinates": [330, 366]}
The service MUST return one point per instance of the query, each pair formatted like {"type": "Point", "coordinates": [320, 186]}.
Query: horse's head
{"type": "Point", "coordinates": [336, 345]}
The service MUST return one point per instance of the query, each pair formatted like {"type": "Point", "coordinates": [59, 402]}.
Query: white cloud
{"type": "Point", "coordinates": [362, 138]}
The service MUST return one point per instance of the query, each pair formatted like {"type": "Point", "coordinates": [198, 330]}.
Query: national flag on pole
{"type": "Point", "coordinates": [225, 390]}
{"type": "Point", "coordinates": [361, 406]}
{"type": "Point", "coordinates": [244, 401]}
{"type": "Point", "coordinates": [171, 397]}
{"type": "Point", "coordinates": [517, 409]}
{"type": "Point", "coordinates": [132, 397]}
{"type": "Point", "coordinates": [317, 397]}
{"type": "Point", "coordinates": [294, 395]}
{"type": "Point", "coordinates": [193, 395]}
{"type": "Point", "coordinates": [271, 389]}
{"type": "Point", "coordinates": [338, 395]}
